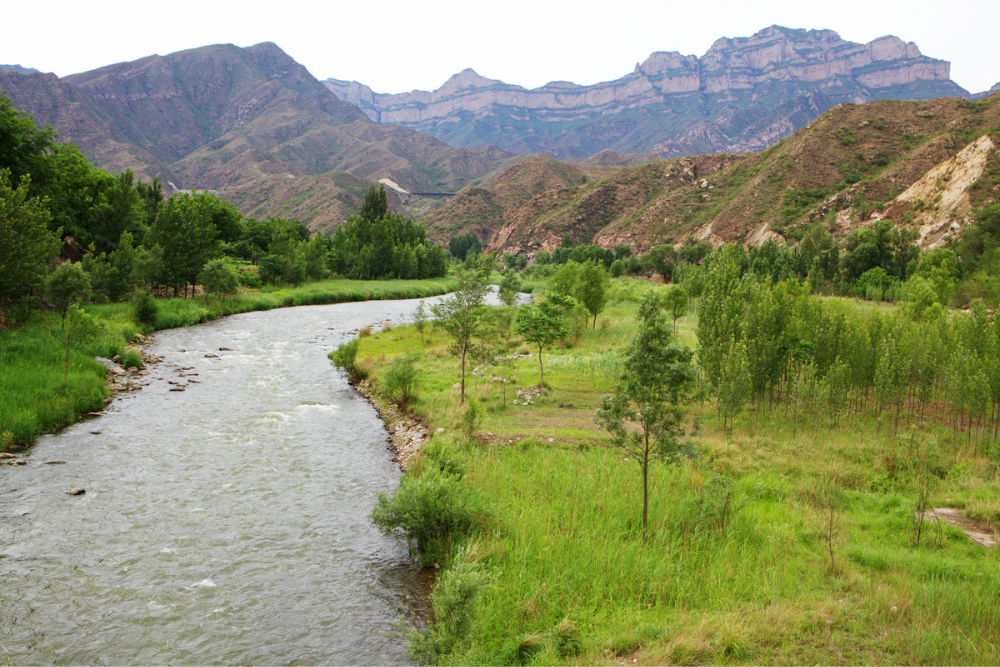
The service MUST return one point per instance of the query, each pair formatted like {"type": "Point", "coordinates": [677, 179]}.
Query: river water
{"type": "Point", "coordinates": [227, 523]}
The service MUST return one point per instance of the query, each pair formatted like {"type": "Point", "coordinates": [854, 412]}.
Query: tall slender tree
{"type": "Point", "coordinates": [644, 413]}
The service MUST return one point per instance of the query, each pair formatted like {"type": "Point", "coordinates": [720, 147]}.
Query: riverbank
{"type": "Point", "coordinates": [35, 399]}
{"type": "Point", "coordinates": [786, 541]}
{"type": "Point", "coordinates": [200, 503]}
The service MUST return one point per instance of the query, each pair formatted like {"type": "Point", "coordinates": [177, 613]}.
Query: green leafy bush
{"type": "Point", "coordinates": [144, 308]}
{"type": "Point", "coordinates": [400, 381]}
{"type": "Point", "coordinates": [346, 356]}
{"type": "Point", "coordinates": [429, 507]}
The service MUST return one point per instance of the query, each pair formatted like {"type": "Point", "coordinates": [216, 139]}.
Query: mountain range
{"type": "Point", "coordinates": [250, 123]}
{"type": "Point", "coordinates": [255, 126]}
{"type": "Point", "coordinates": [743, 94]}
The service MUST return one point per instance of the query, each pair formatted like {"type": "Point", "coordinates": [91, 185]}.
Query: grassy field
{"type": "Point", "coordinates": [34, 399]}
{"type": "Point", "coordinates": [785, 542]}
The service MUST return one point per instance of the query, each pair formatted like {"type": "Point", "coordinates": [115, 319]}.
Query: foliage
{"type": "Point", "coordinates": [591, 288]}
{"type": "Point", "coordinates": [79, 329]}
{"type": "Point", "coordinates": [185, 231]}
{"type": "Point", "coordinates": [345, 356]}
{"type": "Point", "coordinates": [26, 245]}
{"type": "Point", "coordinates": [543, 325]}
{"type": "Point", "coordinates": [721, 311]}
{"type": "Point", "coordinates": [65, 286]}
{"type": "Point", "coordinates": [144, 308]}
{"type": "Point", "coordinates": [386, 247]}
{"type": "Point", "coordinates": [509, 286]}
{"type": "Point", "coordinates": [454, 603]}
{"type": "Point", "coordinates": [420, 320]}
{"type": "Point", "coordinates": [429, 507]}
{"type": "Point", "coordinates": [401, 379]}
{"type": "Point", "coordinates": [462, 246]}
{"type": "Point", "coordinates": [219, 278]}
{"type": "Point", "coordinates": [675, 301]}
{"type": "Point", "coordinates": [461, 315]}
{"type": "Point", "coordinates": [643, 415]}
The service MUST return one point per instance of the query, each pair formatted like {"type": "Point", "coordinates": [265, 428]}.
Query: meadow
{"type": "Point", "coordinates": [783, 541]}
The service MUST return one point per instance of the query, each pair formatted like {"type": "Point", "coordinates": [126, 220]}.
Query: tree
{"type": "Point", "coordinates": [510, 285]}
{"type": "Point", "coordinates": [676, 303]}
{"type": "Point", "coordinates": [643, 415]}
{"type": "Point", "coordinates": [591, 288]}
{"type": "Point", "coordinates": [543, 325]}
{"type": "Point", "coordinates": [376, 204]}
{"type": "Point", "coordinates": [721, 312]}
{"type": "Point", "coordinates": [219, 278]}
{"type": "Point", "coordinates": [662, 259]}
{"type": "Point", "coordinates": [26, 244]}
{"type": "Point", "coordinates": [420, 320]}
{"type": "Point", "coordinates": [460, 315]}
{"type": "Point", "coordinates": [734, 384]}
{"type": "Point", "coordinates": [80, 329]}
{"type": "Point", "coordinates": [69, 284]}
{"type": "Point", "coordinates": [185, 231]}
{"type": "Point", "coordinates": [564, 280]}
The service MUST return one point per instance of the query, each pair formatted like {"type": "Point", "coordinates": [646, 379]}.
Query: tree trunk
{"type": "Point", "coordinates": [541, 370]}
{"type": "Point", "coordinates": [462, 401]}
{"type": "Point", "coordinates": [645, 495]}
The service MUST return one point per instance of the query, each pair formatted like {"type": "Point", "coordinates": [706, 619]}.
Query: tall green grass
{"type": "Point", "coordinates": [35, 400]}
{"type": "Point", "coordinates": [736, 566]}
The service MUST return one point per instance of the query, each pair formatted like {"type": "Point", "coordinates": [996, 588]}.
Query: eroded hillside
{"type": "Point", "coordinates": [852, 165]}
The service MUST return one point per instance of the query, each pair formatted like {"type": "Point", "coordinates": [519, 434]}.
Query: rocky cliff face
{"type": "Point", "coordinates": [250, 123]}
{"type": "Point", "coordinates": [742, 94]}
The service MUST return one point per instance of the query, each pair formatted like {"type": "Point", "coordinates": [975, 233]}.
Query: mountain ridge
{"type": "Point", "coordinates": [743, 94]}
{"type": "Point", "coordinates": [250, 123]}
{"type": "Point", "coordinates": [925, 165]}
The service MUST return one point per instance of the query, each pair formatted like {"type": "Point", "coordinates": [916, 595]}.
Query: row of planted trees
{"type": "Point", "coordinates": [775, 346]}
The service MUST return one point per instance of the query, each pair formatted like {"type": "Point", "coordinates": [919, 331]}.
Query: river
{"type": "Point", "coordinates": [223, 524]}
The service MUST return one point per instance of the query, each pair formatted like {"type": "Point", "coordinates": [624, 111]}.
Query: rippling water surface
{"type": "Point", "coordinates": [227, 523]}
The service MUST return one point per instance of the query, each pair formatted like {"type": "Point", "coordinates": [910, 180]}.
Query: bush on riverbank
{"type": "Point", "coordinates": [736, 566]}
{"type": "Point", "coordinates": [35, 400]}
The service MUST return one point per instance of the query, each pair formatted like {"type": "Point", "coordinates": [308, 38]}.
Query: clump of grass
{"type": "Point", "coordinates": [131, 357]}
{"type": "Point", "coordinates": [567, 638]}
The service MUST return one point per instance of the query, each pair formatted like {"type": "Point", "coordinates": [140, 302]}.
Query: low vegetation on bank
{"type": "Point", "coordinates": [796, 527]}
{"type": "Point", "coordinates": [39, 392]}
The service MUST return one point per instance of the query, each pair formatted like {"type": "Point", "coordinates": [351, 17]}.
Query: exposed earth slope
{"type": "Point", "coordinates": [923, 164]}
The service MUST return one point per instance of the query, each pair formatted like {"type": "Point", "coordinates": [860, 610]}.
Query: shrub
{"type": "Point", "coordinates": [470, 420]}
{"type": "Point", "coordinates": [399, 382]}
{"type": "Point", "coordinates": [429, 507]}
{"type": "Point", "coordinates": [454, 604]}
{"type": "Point", "coordinates": [346, 356]}
{"type": "Point", "coordinates": [144, 308]}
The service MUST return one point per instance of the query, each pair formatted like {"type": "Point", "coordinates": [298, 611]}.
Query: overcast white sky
{"type": "Point", "coordinates": [400, 45]}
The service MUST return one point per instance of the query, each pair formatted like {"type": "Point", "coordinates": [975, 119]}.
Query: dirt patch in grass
{"type": "Point", "coordinates": [978, 533]}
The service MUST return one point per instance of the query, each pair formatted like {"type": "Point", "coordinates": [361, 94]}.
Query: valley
{"type": "Point", "coordinates": [700, 365]}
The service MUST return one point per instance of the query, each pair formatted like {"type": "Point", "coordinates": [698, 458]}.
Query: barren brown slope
{"type": "Point", "coordinates": [250, 123]}
{"type": "Point", "coordinates": [846, 168]}
{"type": "Point", "coordinates": [483, 209]}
